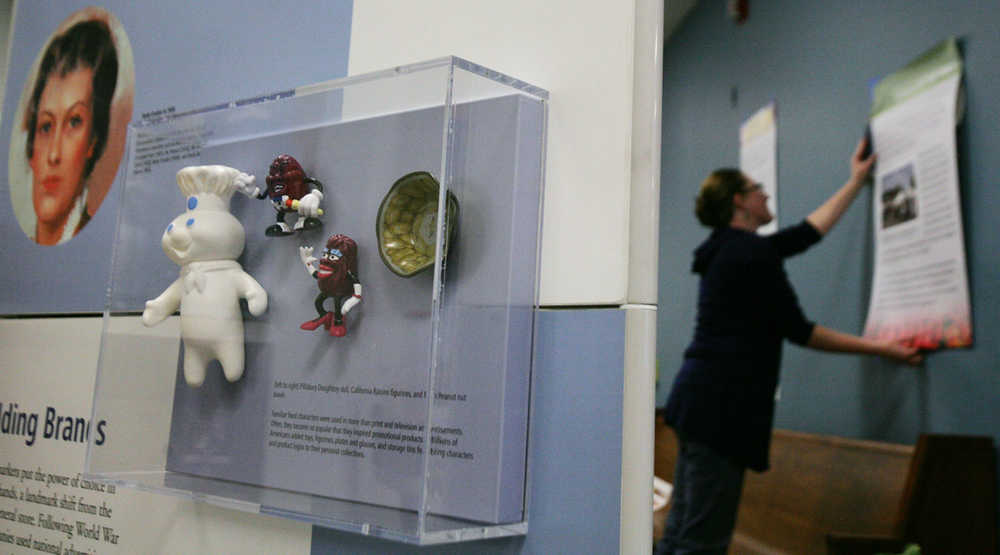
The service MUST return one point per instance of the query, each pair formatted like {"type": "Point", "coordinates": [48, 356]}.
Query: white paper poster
{"type": "Point", "coordinates": [759, 157]}
{"type": "Point", "coordinates": [920, 292]}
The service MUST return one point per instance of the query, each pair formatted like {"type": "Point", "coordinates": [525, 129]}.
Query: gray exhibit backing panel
{"type": "Point", "coordinates": [575, 453]}
{"type": "Point", "coordinates": [379, 370]}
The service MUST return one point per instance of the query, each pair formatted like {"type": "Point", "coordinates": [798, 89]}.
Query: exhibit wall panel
{"type": "Point", "coordinates": [581, 52]}
{"type": "Point", "coordinates": [817, 61]}
{"type": "Point", "coordinates": [48, 365]}
{"type": "Point", "coordinates": [172, 58]}
{"type": "Point", "coordinates": [576, 445]}
{"type": "Point", "coordinates": [48, 371]}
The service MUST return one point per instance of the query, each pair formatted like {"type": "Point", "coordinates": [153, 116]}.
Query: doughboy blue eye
{"type": "Point", "coordinates": [192, 203]}
{"type": "Point", "coordinates": [170, 227]}
{"type": "Point", "coordinates": [190, 222]}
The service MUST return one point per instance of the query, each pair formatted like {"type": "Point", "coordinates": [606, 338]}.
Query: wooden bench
{"type": "Point", "coordinates": [835, 495]}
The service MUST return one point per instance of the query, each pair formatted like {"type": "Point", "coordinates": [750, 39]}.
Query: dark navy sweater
{"type": "Point", "coordinates": [723, 395]}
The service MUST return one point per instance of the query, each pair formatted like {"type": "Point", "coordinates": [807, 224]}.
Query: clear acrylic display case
{"type": "Point", "coordinates": [414, 425]}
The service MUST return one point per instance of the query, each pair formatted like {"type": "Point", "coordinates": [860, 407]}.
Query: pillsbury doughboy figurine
{"type": "Point", "coordinates": [205, 242]}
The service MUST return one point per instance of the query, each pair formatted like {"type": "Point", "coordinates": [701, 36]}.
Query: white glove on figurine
{"type": "Point", "coordinates": [309, 204]}
{"type": "Point", "coordinates": [244, 184]}
{"type": "Point", "coordinates": [353, 301]}
{"type": "Point", "coordinates": [305, 255]}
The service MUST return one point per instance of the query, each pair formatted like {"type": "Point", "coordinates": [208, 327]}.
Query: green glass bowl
{"type": "Point", "coordinates": [406, 226]}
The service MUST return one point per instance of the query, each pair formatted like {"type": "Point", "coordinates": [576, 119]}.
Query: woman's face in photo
{"type": "Point", "coordinates": [63, 143]}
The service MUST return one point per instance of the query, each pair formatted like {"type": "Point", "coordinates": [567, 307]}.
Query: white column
{"type": "Point", "coordinates": [637, 429]}
{"type": "Point", "coordinates": [640, 321]}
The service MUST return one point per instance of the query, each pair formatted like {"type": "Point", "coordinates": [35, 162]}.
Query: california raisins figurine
{"type": "Point", "coordinates": [337, 277]}
{"type": "Point", "coordinates": [205, 241]}
{"type": "Point", "coordinates": [290, 190]}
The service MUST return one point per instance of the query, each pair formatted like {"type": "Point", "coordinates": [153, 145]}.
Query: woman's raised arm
{"type": "Point", "coordinates": [829, 213]}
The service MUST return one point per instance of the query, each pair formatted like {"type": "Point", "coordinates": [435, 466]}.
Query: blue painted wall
{"type": "Point", "coordinates": [817, 60]}
{"type": "Point", "coordinates": [574, 447]}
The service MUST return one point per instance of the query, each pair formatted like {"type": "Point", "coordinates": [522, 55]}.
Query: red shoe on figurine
{"type": "Point", "coordinates": [323, 320]}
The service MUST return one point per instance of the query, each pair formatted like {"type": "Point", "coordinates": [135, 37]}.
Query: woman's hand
{"type": "Point", "coordinates": [902, 353]}
{"type": "Point", "coordinates": [861, 167]}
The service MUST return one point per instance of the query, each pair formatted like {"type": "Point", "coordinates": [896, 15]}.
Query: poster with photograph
{"type": "Point", "coordinates": [759, 157]}
{"type": "Point", "coordinates": [920, 292]}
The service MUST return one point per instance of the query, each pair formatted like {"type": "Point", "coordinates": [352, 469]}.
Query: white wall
{"type": "Point", "coordinates": [581, 52]}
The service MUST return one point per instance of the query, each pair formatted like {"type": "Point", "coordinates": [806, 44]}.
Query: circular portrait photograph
{"type": "Point", "coordinates": [69, 131]}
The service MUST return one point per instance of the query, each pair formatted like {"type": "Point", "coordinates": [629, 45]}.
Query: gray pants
{"type": "Point", "coordinates": [703, 506]}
